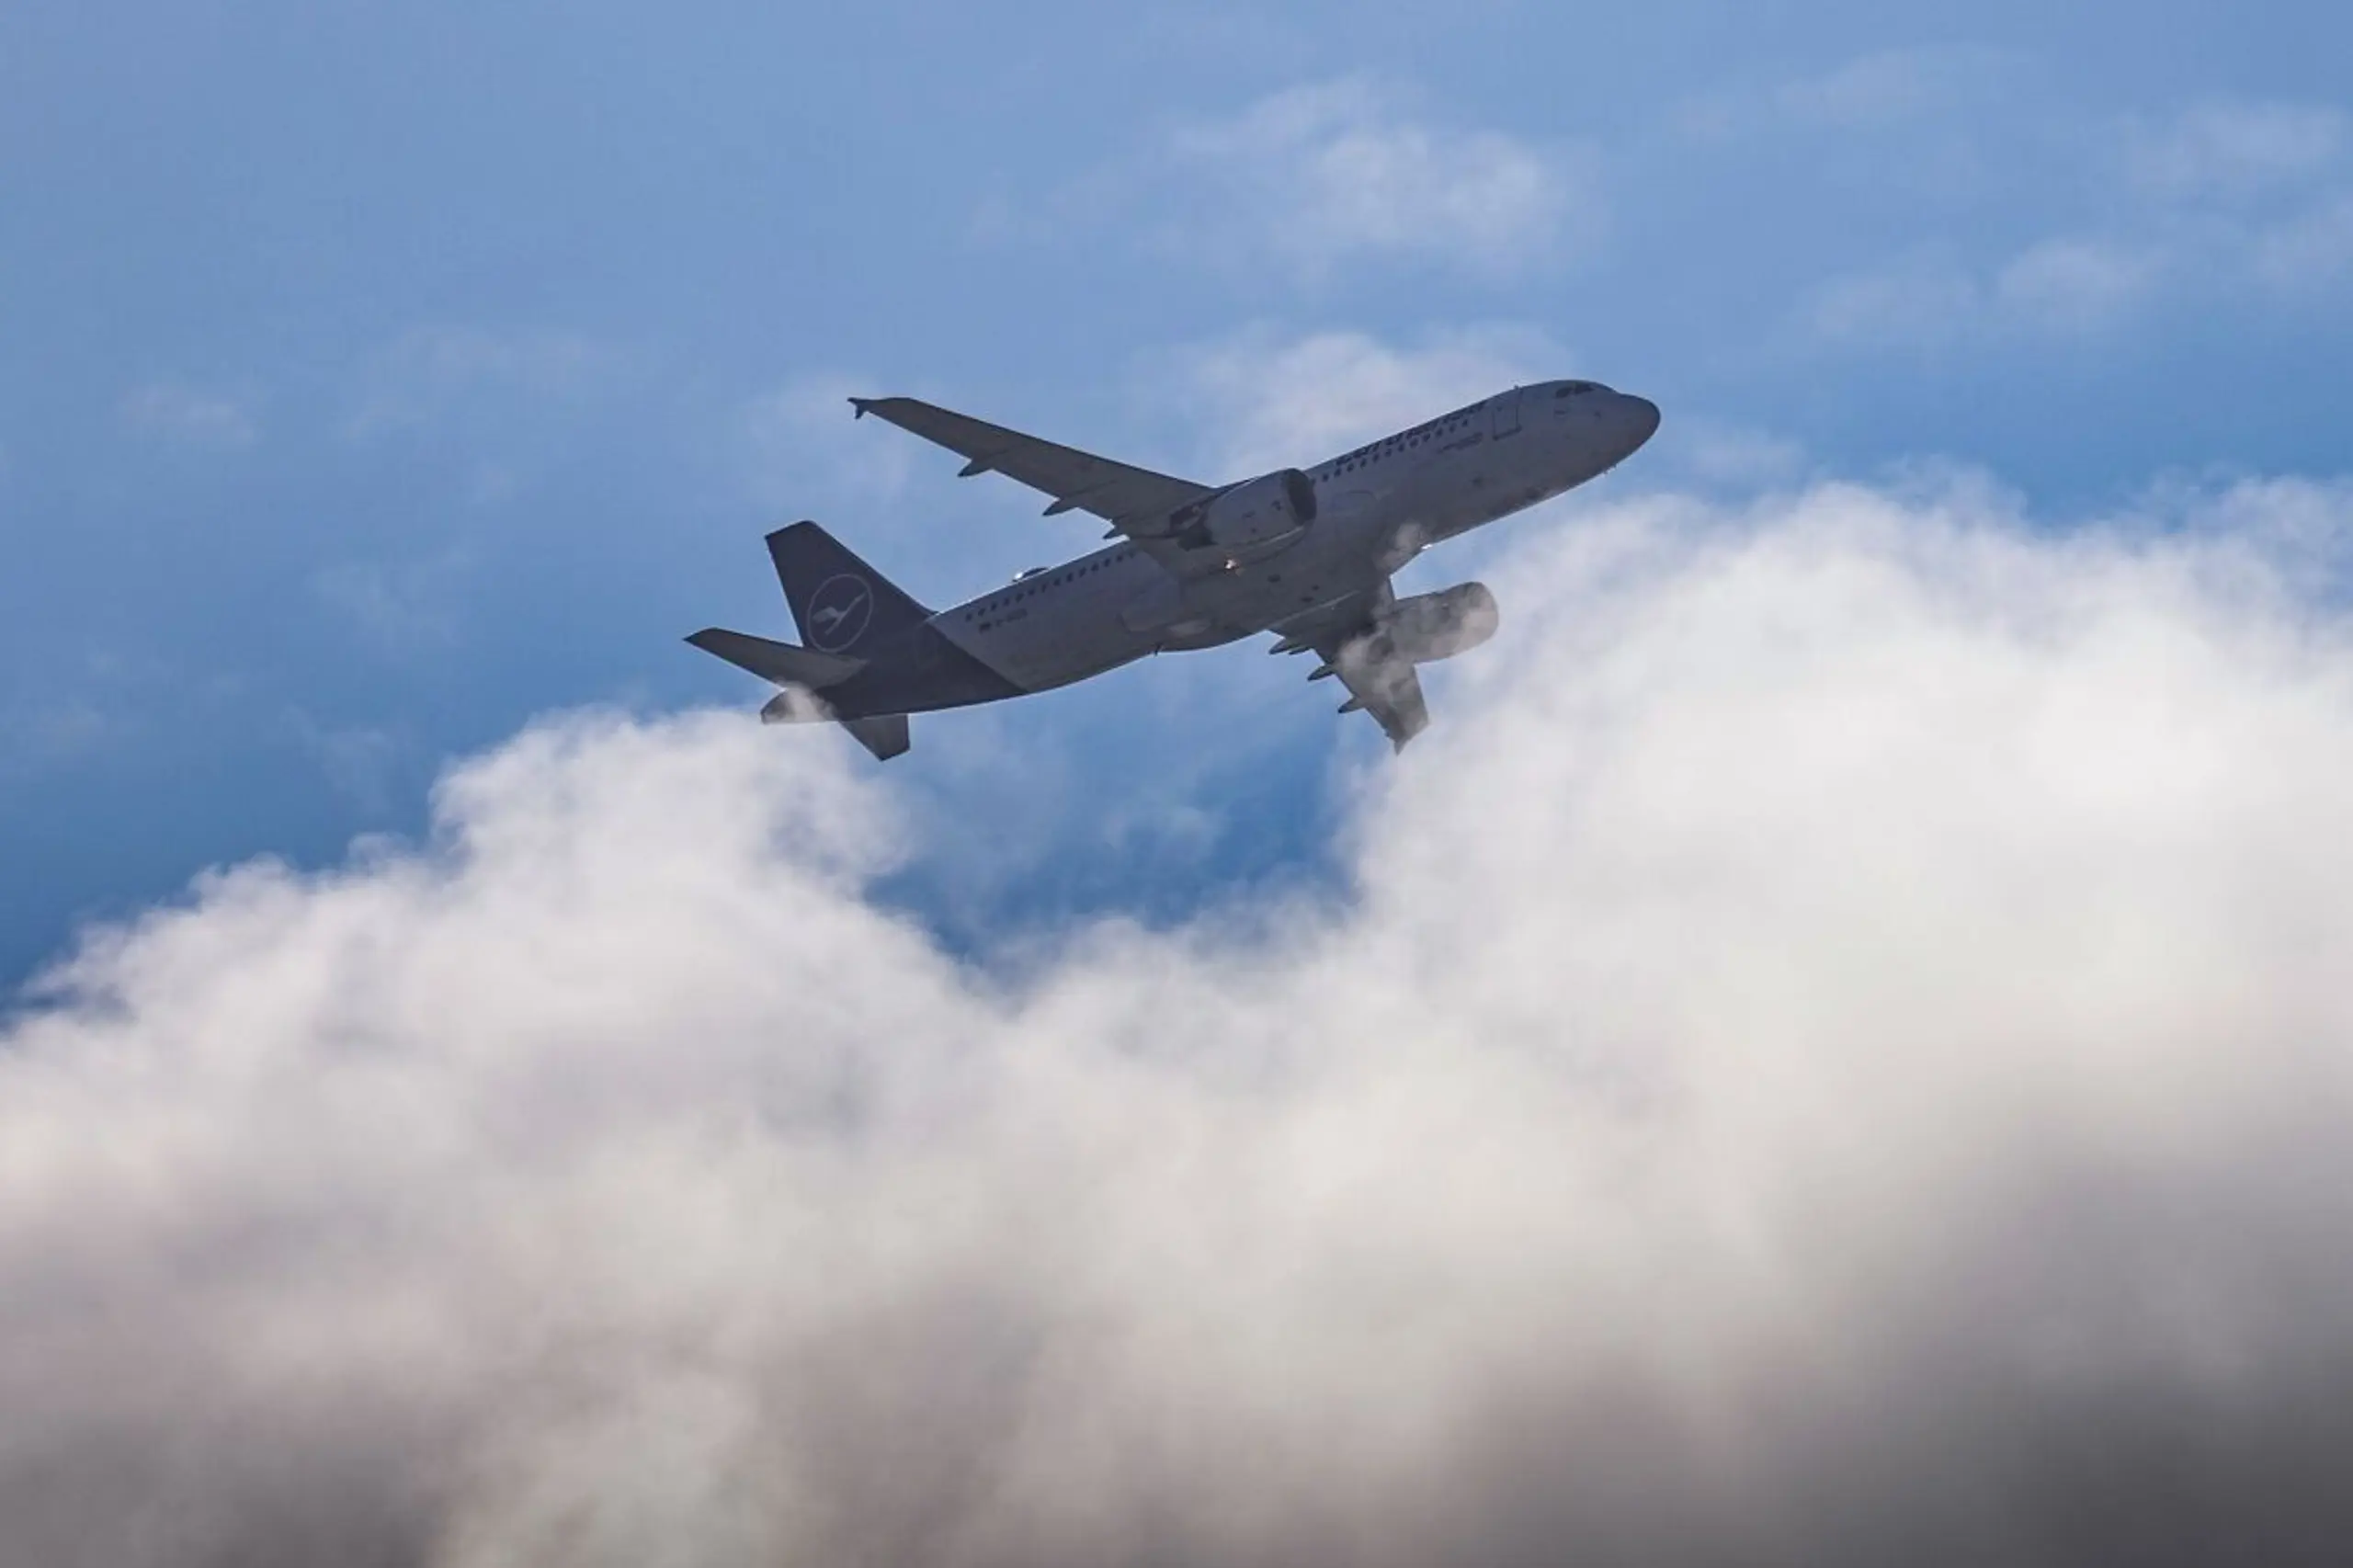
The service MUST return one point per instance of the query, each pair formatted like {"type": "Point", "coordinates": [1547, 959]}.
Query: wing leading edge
{"type": "Point", "coordinates": [1134, 501]}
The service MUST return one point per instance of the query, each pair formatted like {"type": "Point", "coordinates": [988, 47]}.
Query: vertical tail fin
{"type": "Point", "coordinates": [840, 603]}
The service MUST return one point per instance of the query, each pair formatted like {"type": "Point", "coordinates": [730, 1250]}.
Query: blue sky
{"type": "Point", "coordinates": [373, 379]}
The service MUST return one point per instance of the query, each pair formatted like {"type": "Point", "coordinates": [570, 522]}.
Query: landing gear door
{"type": "Point", "coordinates": [1504, 411]}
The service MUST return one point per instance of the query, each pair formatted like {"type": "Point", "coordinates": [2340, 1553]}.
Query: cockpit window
{"type": "Point", "coordinates": [1571, 389]}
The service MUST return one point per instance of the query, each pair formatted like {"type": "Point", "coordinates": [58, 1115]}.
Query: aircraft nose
{"type": "Point", "coordinates": [1640, 417]}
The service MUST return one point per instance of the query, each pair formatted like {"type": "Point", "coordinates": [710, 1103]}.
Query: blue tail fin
{"type": "Point", "coordinates": [841, 604]}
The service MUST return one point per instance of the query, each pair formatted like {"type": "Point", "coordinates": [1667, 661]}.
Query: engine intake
{"type": "Point", "coordinates": [1252, 518]}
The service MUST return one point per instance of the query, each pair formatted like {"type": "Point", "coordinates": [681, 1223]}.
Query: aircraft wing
{"type": "Point", "coordinates": [1345, 636]}
{"type": "Point", "coordinates": [1386, 688]}
{"type": "Point", "coordinates": [1132, 500]}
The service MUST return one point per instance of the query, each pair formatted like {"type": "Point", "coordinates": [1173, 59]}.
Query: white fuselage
{"type": "Point", "coordinates": [1376, 508]}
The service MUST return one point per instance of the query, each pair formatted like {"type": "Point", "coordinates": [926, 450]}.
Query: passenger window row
{"type": "Point", "coordinates": [1060, 577]}
{"type": "Point", "coordinates": [1413, 438]}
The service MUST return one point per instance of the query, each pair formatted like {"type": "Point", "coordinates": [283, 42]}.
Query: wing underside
{"type": "Point", "coordinates": [1135, 501]}
{"type": "Point", "coordinates": [1346, 635]}
{"type": "Point", "coordinates": [1386, 688]}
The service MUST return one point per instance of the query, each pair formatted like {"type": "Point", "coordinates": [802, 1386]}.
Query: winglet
{"type": "Point", "coordinates": [861, 404]}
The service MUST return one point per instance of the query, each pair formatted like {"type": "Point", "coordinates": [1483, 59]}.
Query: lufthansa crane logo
{"type": "Point", "coordinates": [838, 612]}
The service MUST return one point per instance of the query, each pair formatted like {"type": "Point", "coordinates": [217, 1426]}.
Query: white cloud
{"type": "Point", "coordinates": [2060, 286]}
{"type": "Point", "coordinates": [2083, 285]}
{"type": "Point", "coordinates": [1839, 1040]}
{"type": "Point", "coordinates": [2238, 150]}
{"type": "Point", "coordinates": [1713, 454]}
{"type": "Point", "coordinates": [402, 607]}
{"type": "Point", "coordinates": [363, 763]}
{"type": "Point", "coordinates": [428, 370]}
{"type": "Point", "coordinates": [1330, 172]}
{"type": "Point", "coordinates": [46, 727]}
{"type": "Point", "coordinates": [1885, 87]}
{"type": "Point", "coordinates": [1263, 401]}
{"type": "Point", "coordinates": [799, 447]}
{"type": "Point", "coordinates": [1870, 95]}
{"type": "Point", "coordinates": [2074, 284]}
{"type": "Point", "coordinates": [2213, 207]}
{"type": "Point", "coordinates": [1914, 302]}
{"type": "Point", "coordinates": [2311, 250]}
{"type": "Point", "coordinates": [190, 416]}
{"type": "Point", "coordinates": [553, 363]}
{"type": "Point", "coordinates": [2293, 527]}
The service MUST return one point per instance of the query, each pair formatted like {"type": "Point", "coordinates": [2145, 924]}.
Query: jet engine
{"type": "Point", "coordinates": [1255, 519]}
{"type": "Point", "coordinates": [1429, 626]}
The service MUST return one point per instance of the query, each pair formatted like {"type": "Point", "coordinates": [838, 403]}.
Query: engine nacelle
{"type": "Point", "coordinates": [1254, 518]}
{"type": "Point", "coordinates": [1430, 626]}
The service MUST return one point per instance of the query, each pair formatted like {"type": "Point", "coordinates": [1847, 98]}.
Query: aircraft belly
{"type": "Point", "coordinates": [1054, 647]}
{"type": "Point", "coordinates": [1080, 650]}
{"type": "Point", "coordinates": [1057, 639]}
{"type": "Point", "coordinates": [1336, 557]}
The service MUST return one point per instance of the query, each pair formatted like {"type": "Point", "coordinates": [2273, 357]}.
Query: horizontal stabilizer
{"type": "Point", "coordinates": [885, 735]}
{"type": "Point", "coordinates": [778, 662]}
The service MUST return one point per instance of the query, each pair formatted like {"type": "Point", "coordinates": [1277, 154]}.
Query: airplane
{"type": "Point", "coordinates": [1304, 554]}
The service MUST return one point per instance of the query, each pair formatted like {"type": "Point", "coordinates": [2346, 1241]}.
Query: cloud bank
{"type": "Point", "coordinates": [1836, 1050]}
{"type": "Point", "coordinates": [2217, 204]}
{"type": "Point", "coordinates": [182, 416]}
{"type": "Point", "coordinates": [1264, 400]}
{"type": "Point", "coordinates": [1343, 171]}
{"type": "Point", "coordinates": [1325, 176]}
